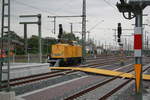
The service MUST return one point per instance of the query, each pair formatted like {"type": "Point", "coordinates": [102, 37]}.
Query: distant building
{"type": "Point", "coordinates": [15, 41]}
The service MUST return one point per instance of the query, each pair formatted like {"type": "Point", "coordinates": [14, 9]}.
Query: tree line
{"type": "Point", "coordinates": [17, 43]}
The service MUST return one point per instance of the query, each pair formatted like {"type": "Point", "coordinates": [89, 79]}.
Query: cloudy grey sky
{"type": "Point", "coordinates": [101, 12]}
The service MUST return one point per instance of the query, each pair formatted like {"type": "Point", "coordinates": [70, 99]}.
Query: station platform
{"type": "Point", "coordinates": [26, 69]}
{"type": "Point", "coordinates": [101, 72]}
{"type": "Point", "coordinates": [25, 65]}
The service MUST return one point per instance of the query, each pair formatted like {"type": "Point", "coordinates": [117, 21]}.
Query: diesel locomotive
{"type": "Point", "coordinates": [65, 54]}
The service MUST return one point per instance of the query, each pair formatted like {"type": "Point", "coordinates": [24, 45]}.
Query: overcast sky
{"type": "Point", "coordinates": [101, 12]}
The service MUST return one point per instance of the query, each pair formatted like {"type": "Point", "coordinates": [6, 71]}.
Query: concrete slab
{"type": "Point", "coordinates": [7, 96]}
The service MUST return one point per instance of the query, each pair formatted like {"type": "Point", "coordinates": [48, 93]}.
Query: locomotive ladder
{"type": "Point", "coordinates": [5, 45]}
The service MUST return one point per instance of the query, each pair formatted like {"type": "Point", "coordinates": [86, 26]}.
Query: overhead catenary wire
{"type": "Point", "coordinates": [36, 8]}
{"type": "Point", "coordinates": [67, 3]}
{"type": "Point", "coordinates": [39, 9]}
{"type": "Point", "coordinates": [110, 4]}
{"type": "Point", "coordinates": [12, 9]}
{"type": "Point", "coordinates": [42, 9]}
{"type": "Point", "coordinates": [33, 7]}
{"type": "Point", "coordinates": [95, 25]}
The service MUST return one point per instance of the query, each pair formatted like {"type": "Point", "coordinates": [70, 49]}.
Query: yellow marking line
{"type": "Point", "coordinates": [121, 68]}
{"type": "Point", "coordinates": [101, 71]}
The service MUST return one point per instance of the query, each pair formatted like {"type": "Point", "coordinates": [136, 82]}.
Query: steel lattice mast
{"type": "Point", "coordinates": [5, 30]}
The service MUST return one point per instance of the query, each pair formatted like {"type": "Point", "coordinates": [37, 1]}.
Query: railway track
{"type": "Point", "coordinates": [34, 78]}
{"type": "Point", "coordinates": [70, 85]}
{"type": "Point", "coordinates": [111, 92]}
{"type": "Point", "coordinates": [79, 95]}
{"type": "Point", "coordinates": [103, 59]}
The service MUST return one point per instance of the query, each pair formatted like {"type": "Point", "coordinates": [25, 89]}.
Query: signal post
{"type": "Point", "coordinates": [138, 41]}
{"type": "Point", "coordinates": [134, 9]}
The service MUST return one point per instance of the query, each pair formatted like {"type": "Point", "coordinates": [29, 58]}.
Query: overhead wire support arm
{"type": "Point", "coordinates": [21, 16]}
{"type": "Point", "coordinates": [29, 23]}
{"type": "Point", "coordinates": [65, 16]}
{"type": "Point", "coordinates": [61, 17]}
